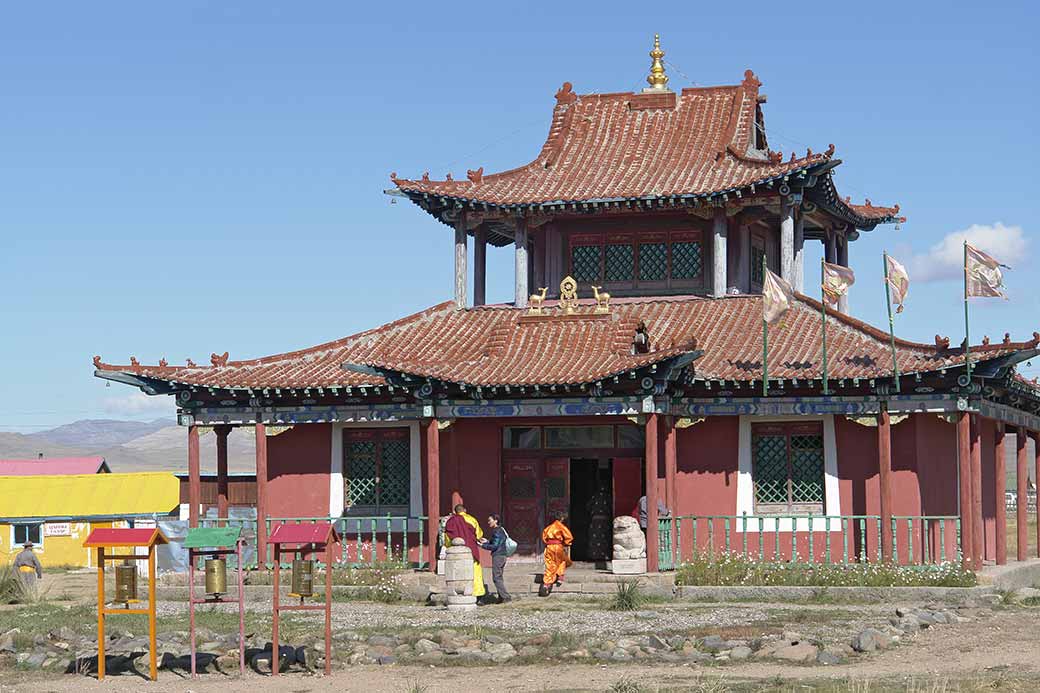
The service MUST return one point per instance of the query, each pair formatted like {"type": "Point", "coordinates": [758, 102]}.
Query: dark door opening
{"type": "Point", "coordinates": [591, 505]}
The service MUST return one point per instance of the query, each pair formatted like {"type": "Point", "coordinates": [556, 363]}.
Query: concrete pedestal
{"type": "Point", "coordinates": [628, 566]}
{"type": "Point", "coordinates": [461, 602]}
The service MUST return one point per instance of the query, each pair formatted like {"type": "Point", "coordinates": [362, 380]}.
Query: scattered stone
{"type": "Point", "coordinates": [620, 655]}
{"type": "Point", "coordinates": [713, 643]}
{"type": "Point", "coordinates": [989, 599]}
{"type": "Point", "coordinates": [676, 642]}
{"type": "Point", "coordinates": [574, 654]}
{"type": "Point", "coordinates": [792, 636]}
{"type": "Point", "coordinates": [530, 651]}
{"type": "Point", "coordinates": [796, 652]}
{"type": "Point", "coordinates": [424, 646]}
{"type": "Point", "coordinates": [431, 657]}
{"type": "Point", "coordinates": [655, 642]}
{"type": "Point", "coordinates": [870, 639]}
{"type": "Point", "coordinates": [826, 658]}
{"type": "Point", "coordinates": [385, 659]}
{"type": "Point", "coordinates": [501, 652]}
{"type": "Point", "coordinates": [540, 640]}
{"type": "Point", "coordinates": [383, 641]}
{"type": "Point", "coordinates": [740, 652]}
{"type": "Point", "coordinates": [494, 639]}
{"type": "Point", "coordinates": [7, 640]}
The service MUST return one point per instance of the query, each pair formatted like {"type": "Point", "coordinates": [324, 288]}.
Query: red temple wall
{"type": "Point", "coordinates": [298, 463]}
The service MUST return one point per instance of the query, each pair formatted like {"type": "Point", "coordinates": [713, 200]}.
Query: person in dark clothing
{"type": "Point", "coordinates": [497, 546]}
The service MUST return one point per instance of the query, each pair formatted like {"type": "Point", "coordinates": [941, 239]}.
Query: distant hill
{"type": "Point", "coordinates": [99, 433]}
{"type": "Point", "coordinates": [132, 446]}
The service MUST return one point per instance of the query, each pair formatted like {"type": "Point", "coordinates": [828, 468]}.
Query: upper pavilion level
{"type": "Point", "coordinates": [651, 193]}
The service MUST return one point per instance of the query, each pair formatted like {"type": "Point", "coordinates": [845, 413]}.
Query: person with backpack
{"type": "Point", "coordinates": [501, 547]}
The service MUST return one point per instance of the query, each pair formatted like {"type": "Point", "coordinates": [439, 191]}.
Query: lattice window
{"type": "Point", "coordinates": [653, 262]}
{"type": "Point", "coordinates": [620, 264]}
{"type": "Point", "coordinates": [521, 487]}
{"type": "Point", "coordinates": [758, 255]}
{"type": "Point", "coordinates": [788, 468]}
{"type": "Point", "coordinates": [555, 487]}
{"type": "Point", "coordinates": [687, 260]}
{"type": "Point", "coordinates": [376, 470]}
{"type": "Point", "coordinates": [586, 262]}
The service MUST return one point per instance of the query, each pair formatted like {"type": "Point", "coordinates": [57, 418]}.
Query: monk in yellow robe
{"type": "Point", "coordinates": [557, 538]}
{"type": "Point", "coordinates": [462, 525]}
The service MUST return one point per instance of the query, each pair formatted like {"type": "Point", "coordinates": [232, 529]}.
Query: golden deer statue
{"type": "Point", "coordinates": [602, 300]}
{"type": "Point", "coordinates": [536, 301]}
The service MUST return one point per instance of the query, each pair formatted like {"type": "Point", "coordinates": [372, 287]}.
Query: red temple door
{"type": "Point", "coordinates": [628, 484]}
{"type": "Point", "coordinates": [557, 486]}
{"type": "Point", "coordinates": [522, 484]}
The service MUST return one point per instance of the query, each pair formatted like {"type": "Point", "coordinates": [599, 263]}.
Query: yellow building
{"type": "Point", "coordinates": [57, 512]}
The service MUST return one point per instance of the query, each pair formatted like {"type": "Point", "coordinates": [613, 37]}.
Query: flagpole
{"type": "Point", "coordinates": [823, 310]}
{"type": "Point", "coordinates": [967, 339]}
{"type": "Point", "coordinates": [765, 339]}
{"type": "Point", "coordinates": [891, 324]}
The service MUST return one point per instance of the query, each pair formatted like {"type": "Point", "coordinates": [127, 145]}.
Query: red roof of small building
{"type": "Point", "coordinates": [53, 466]}
{"type": "Point", "coordinates": [503, 345]}
{"type": "Point", "coordinates": [623, 146]}
{"type": "Point", "coordinates": [309, 533]}
{"type": "Point", "coordinates": [115, 536]}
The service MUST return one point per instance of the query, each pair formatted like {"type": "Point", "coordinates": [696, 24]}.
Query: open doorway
{"type": "Point", "coordinates": [591, 504]}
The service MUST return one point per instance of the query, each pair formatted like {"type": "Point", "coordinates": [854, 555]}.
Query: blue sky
{"type": "Point", "coordinates": [196, 177]}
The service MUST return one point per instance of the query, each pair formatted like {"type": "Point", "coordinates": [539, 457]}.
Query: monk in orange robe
{"type": "Point", "coordinates": [557, 538]}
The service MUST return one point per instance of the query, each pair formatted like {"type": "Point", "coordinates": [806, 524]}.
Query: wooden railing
{"type": "Point", "coordinates": [811, 539]}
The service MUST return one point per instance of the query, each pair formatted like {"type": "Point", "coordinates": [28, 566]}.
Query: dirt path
{"type": "Point", "coordinates": [1001, 650]}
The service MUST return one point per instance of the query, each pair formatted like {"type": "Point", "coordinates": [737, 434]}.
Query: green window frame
{"type": "Point", "coordinates": [788, 468]}
{"type": "Point", "coordinates": [377, 470]}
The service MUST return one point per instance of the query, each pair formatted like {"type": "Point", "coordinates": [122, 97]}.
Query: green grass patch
{"type": "Point", "coordinates": [732, 569]}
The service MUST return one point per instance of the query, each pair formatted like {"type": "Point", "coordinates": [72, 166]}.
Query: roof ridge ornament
{"type": "Point", "coordinates": [657, 79]}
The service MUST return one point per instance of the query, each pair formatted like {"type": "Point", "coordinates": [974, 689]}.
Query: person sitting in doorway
{"type": "Point", "coordinates": [496, 545]}
{"type": "Point", "coordinates": [558, 539]}
{"type": "Point", "coordinates": [462, 525]}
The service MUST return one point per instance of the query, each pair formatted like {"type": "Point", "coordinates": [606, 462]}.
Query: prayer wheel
{"type": "Point", "coordinates": [216, 576]}
{"type": "Point", "coordinates": [126, 582]}
{"type": "Point", "coordinates": [302, 579]}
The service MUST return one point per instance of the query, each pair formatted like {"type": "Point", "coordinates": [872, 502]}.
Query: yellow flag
{"type": "Point", "coordinates": [982, 274]}
{"type": "Point", "coordinates": [836, 282]}
{"type": "Point", "coordinates": [777, 297]}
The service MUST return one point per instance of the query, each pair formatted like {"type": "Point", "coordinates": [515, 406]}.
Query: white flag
{"type": "Point", "coordinates": [898, 282]}
{"type": "Point", "coordinates": [836, 282]}
{"type": "Point", "coordinates": [777, 297]}
{"type": "Point", "coordinates": [982, 274]}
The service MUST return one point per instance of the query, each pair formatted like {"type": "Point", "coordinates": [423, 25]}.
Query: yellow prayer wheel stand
{"type": "Point", "coordinates": [126, 582]}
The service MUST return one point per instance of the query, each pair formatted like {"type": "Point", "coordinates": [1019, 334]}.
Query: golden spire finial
{"type": "Point", "coordinates": [657, 79]}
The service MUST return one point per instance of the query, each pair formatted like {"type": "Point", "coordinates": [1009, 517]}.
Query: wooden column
{"type": "Point", "coordinates": [671, 466]}
{"type": "Point", "coordinates": [461, 241]}
{"type": "Point", "coordinates": [798, 268]}
{"type": "Point", "coordinates": [787, 241]}
{"type": "Point", "coordinates": [433, 487]}
{"type": "Point", "coordinates": [744, 272]}
{"type": "Point", "coordinates": [194, 476]}
{"type": "Point", "coordinates": [652, 530]}
{"type": "Point", "coordinates": [719, 256]}
{"type": "Point", "coordinates": [1000, 486]}
{"type": "Point", "coordinates": [222, 470]}
{"type": "Point", "coordinates": [843, 260]}
{"type": "Point", "coordinates": [977, 528]}
{"type": "Point", "coordinates": [520, 291]}
{"type": "Point", "coordinates": [261, 495]}
{"type": "Point", "coordinates": [480, 266]}
{"type": "Point", "coordinates": [1022, 482]}
{"type": "Point", "coordinates": [829, 248]}
{"type": "Point", "coordinates": [964, 486]}
{"type": "Point", "coordinates": [884, 481]}
{"type": "Point", "coordinates": [1036, 477]}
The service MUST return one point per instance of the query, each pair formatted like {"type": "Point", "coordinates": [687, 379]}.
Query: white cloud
{"type": "Point", "coordinates": [137, 403]}
{"type": "Point", "coordinates": [945, 259]}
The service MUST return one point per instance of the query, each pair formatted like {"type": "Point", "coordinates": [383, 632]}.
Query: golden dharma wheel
{"type": "Point", "coordinates": [216, 576]}
{"type": "Point", "coordinates": [302, 579]}
{"type": "Point", "coordinates": [126, 582]}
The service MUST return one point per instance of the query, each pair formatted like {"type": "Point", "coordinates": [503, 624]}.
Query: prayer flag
{"type": "Point", "coordinates": [982, 275]}
{"type": "Point", "coordinates": [836, 282]}
{"type": "Point", "coordinates": [777, 297]}
{"type": "Point", "coordinates": [898, 282]}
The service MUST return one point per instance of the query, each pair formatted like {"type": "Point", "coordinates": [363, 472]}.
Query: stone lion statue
{"type": "Point", "coordinates": [629, 541]}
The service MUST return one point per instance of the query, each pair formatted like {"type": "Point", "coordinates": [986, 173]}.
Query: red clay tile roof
{"type": "Point", "coordinates": [626, 146]}
{"type": "Point", "coordinates": [499, 345]}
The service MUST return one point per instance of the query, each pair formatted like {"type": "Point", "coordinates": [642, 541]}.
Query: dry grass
{"type": "Point", "coordinates": [1012, 536]}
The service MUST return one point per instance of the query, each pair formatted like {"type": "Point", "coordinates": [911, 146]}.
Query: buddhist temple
{"type": "Point", "coordinates": [630, 362]}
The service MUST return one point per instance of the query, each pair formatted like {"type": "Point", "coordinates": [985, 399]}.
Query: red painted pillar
{"type": "Point", "coordinates": [1036, 477]}
{"type": "Point", "coordinates": [652, 530]}
{"type": "Point", "coordinates": [998, 491]}
{"type": "Point", "coordinates": [884, 480]}
{"type": "Point", "coordinates": [977, 528]}
{"type": "Point", "coordinates": [194, 477]}
{"type": "Point", "coordinates": [222, 470]}
{"type": "Point", "coordinates": [1021, 518]}
{"type": "Point", "coordinates": [261, 495]}
{"type": "Point", "coordinates": [671, 468]}
{"type": "Point", "coordinates": [433, 488]}
{"type": "Point", "coordinates": [964, 486]}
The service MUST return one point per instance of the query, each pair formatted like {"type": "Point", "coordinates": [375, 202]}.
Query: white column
{"type": "Point", "coordinates": [520, 245]}
{"type": "Point", "coordinates": [461, 240]}
{"type": "Point", "coordinates": [843, 260]}
{"type": "Point", "coordinates": [719, 257]}
{"type": "Point", "coordinates": [798, 271]}
{"type": "Point", "coordinates": [479, 266]}
{"type": "Point", "coordinates": [787, 241]}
